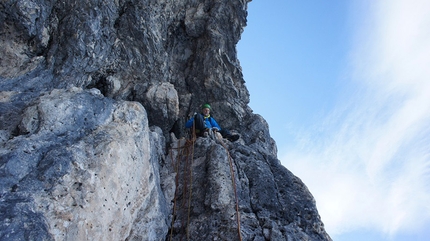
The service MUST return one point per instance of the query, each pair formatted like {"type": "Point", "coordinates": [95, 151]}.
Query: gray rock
{"type": "Point", "coordinates": [93, 100]}
{"type": "Point", "coordinates": [86, 173]}
{"type": "Point", "coordinates": [273, 204]}
{"type": "Point", "coordinates": [162, 100]}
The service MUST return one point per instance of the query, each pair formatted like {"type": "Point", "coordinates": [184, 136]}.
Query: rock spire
{"type": "Point", "coordinates": [93, 100]}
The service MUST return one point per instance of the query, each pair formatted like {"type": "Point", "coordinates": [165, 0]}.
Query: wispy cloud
{"type": "Point", "coordinates": [368, 161]}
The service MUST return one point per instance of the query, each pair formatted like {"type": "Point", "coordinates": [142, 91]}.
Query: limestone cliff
{"type": "Point", "coordinates": [93, 99]}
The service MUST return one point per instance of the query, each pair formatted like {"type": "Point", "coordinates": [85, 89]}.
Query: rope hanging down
{"type": "Point", "coordinates": [233, 180]}
{"type": "Point", "coordinates": [193, 140]}
{"type": "Point", "coordinates": [186, 151]}
{"type": "Point", "coordinates": [188, 148]}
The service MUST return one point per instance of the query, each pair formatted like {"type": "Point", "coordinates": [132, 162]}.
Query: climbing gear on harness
{"type": "Point", "coordinates": [199, 125]}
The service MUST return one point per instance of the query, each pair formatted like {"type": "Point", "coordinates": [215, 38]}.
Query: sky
{"type": "Point", "coordinates": [345, 89]}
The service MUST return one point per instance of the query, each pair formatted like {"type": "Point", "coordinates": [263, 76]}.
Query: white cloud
{"type": "Point", "coordinates": [368, 162]}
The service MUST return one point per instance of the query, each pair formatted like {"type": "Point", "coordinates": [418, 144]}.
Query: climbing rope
{"type": "Point", "coordinates": [193, 140]}
{"type": "Point", "coordinates": [176, 186]}
{"type": "Point", "coordinates": [233, 180]}
{"type": "Point", "coordinates": [187, 150]}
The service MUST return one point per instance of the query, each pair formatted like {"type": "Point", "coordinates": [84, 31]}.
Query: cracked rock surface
{"type": "Point", "coordinates": [93, 100]}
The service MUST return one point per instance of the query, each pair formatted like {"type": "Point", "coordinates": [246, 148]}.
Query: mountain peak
{"type": "Point", "coordinates": [94, 96]}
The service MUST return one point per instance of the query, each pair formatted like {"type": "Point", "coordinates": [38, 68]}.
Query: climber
{"type": "Point", "coordinates": [204, 122]}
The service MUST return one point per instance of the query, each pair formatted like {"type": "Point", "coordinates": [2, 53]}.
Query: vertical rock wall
{"type": "Point", "coordinates": [93, 99]}
{"type": "Point", "coordinates": [84, 171]}
{"type": "Point", "coordinates": [225, 188]}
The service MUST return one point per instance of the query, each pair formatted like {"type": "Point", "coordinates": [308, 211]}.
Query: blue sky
{"type": "Point", "coordinates": [345, 88]}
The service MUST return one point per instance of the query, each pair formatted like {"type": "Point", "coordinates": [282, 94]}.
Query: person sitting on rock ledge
{"type": "Point", "coordinates": [204, 123]}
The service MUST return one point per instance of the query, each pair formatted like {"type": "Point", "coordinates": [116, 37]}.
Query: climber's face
{"type": "Point", "coordinates": [206, 111]}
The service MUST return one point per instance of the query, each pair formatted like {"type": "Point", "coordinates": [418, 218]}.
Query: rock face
{"type": "Point", "coordinates": [218, 181]}
{"type": "Point", "coordinates": [93, 100]}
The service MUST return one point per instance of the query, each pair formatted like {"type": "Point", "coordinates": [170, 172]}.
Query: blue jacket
{"type": "Point", "coordinates": [209, 121]}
